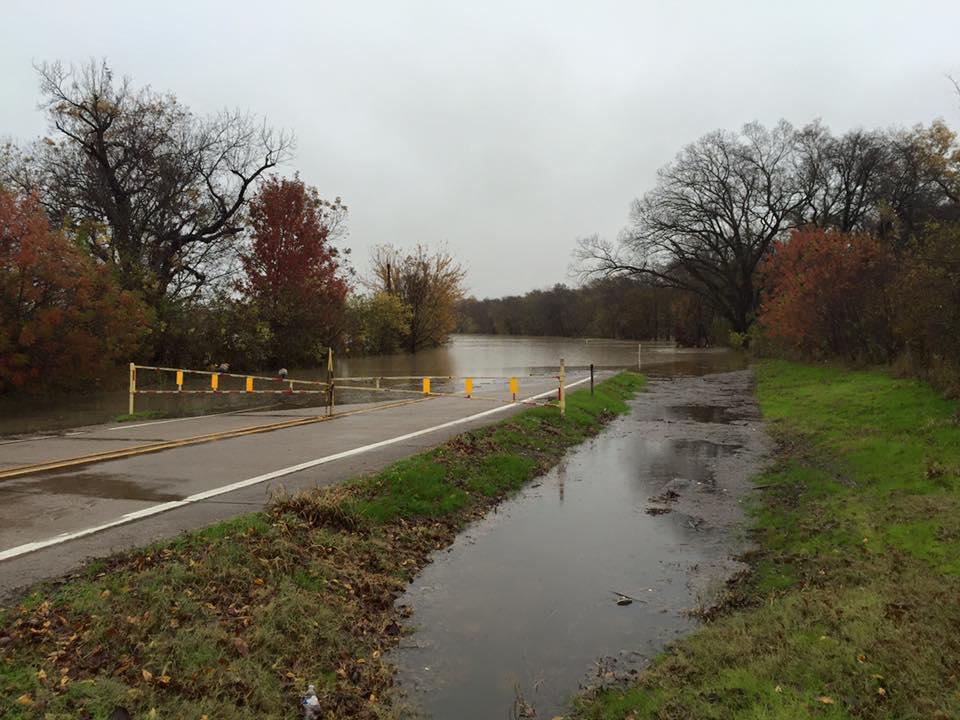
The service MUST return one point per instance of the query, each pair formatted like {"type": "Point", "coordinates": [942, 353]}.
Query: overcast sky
{"type": "Point", "coordinates": [507, 129]}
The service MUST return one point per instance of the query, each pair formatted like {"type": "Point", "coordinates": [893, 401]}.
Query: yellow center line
{"type": "Point", "coordinates": [22, 470]}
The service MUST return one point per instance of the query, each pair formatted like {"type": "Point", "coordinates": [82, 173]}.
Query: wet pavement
{"type": "Point", "coordinates": [523, 609]}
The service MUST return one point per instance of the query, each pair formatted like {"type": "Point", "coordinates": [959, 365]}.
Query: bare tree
{"type": "Point", "coordinates": [844, 176]}
{"type": "Point", "coordinates": [708, 223]}
{"type": "Point", "coordinates": [143, 183]}
{"type": "Point", "coordinates": [429, 282]}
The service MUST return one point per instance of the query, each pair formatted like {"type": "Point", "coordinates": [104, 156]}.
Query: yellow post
{"type": "Point", "coordinates": [133, 387]}
{"type": "Point", "coordinates": [563, 389]}
{"type": "Point", "coordinates": [426, 386]}
{"type": "Point", "coordinates": [249, 384]}
{"type": "Point", "coordinates": [179, 380]}
{"type": "Point", "coordinates": [513, 388]}
{"type": "Point", "coordinates": [468, 387]}
{"type": "Point", "coordinates": [215, 382]}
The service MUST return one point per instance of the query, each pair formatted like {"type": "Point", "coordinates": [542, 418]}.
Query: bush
{"type": "Point", "coordinates": [927, 316]}
{"type": "Point", "coordinates": [829, 295]}
{"type": "Point", "coordinates": [64, 321]}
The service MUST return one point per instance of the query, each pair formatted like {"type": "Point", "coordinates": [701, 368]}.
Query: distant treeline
{"type": "Point", "coordinates": [619, 308]}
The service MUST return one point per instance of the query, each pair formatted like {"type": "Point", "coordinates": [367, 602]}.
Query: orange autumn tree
{"type": "Point", "coordinates": [828, 295]}
{"type": "Point", "coordinates": [64, 322]}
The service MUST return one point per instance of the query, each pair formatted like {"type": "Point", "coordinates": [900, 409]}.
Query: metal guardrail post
{"type": "Point", "coordinates": [563, 389]}
{"type": "Point", "coordinates": [133, 387]}
{"type": "Point", "coordinates": [591, 379]}
{"type": "Point", "coordinates": [331, 399]}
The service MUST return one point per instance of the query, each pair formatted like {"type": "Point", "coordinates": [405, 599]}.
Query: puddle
{"type": "Point", "coordinates": [700, 413]}
{"type": "Point", "coordinates": [101, 485]}
{"type": "Point", "coordinates": [526, 600]}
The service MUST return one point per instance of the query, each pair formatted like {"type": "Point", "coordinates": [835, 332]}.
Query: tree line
{"type": "Point", "coordinates": [806, 243]}
{"type": "Point", "coordinates": [139, 229]}
{"type": "Point", "coordinates": [614, 307]}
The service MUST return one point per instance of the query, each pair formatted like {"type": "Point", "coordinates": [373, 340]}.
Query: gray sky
{"type": "Point", "coordinates": [505, 129]}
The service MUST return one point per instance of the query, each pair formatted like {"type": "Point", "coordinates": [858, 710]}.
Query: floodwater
{"type": "Point", "coordinates": [473, 355]}
{"type": "Point", "coordinates": [522, 610]}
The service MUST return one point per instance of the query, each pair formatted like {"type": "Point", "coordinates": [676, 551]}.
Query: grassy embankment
{"type": "Point", "coordinates": [234, 621]}
{"type": "Point", "coordinates": [853, 610]}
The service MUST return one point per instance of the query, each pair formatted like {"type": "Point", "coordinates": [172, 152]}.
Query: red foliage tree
{"type": "Point", "coordinates": [293, 274]}
{"type": "Point", "coordinates": [64, 321]}
{"type": "Point", "coordinates": [829, 295]}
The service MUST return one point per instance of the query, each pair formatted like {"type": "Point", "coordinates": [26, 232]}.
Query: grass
{"type": "Point", "coordinates": [235, 620]}
{"type": "Point", "coordinates": [853, 607]}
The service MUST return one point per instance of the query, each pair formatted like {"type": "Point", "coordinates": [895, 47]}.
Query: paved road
{"type": "Point", "coordinates": [52, 521]}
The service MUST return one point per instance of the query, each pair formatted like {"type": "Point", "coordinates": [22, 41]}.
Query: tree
{"type": "Point", "coordinates": [378, 324]}
{"type": "Point", "coordinates": [829, 295]}
{"type": "Point", "coordinates": [292, 272]}
{"type": "Point", "coordinates": [429, 282]}
{"type": "Point", "coordinates": [142, 183]}
{"type": "Point", "coordinates": [844, 176]}
{"type": "Point", "coordinates": [64, 322]}
{"type": "Point", "coordinates": [709, 222]}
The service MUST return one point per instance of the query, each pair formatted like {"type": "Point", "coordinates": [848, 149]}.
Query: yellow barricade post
{"type": "Point", "coordinates": [214, 382]}
{"type": "Point", "coordinates": [179, 380]}
{"type": "Point", "coordinates": [249, 384]}
{"type": "Point", "coordinates": [513, 388]}
{"type": "Point", "coordinates": [468, 387]}
{"type": "Point", "coordinates": [426, 386]}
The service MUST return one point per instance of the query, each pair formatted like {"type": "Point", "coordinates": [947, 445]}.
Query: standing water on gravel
{"type": "Point", "coordinates": [523, 609]}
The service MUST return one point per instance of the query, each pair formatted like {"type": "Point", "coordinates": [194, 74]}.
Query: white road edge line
{"type": "Point", "coordinates": [190, 417]}
{"type": "Point", "coordinates": [224, 489]}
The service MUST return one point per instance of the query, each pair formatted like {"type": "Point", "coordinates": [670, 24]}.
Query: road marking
{"type": "Point", "coordinates": [224, 489]}
{"type": "Point", "coordinates": [108, 455]}
{"type": "Point", "coordinates": [190, 417]}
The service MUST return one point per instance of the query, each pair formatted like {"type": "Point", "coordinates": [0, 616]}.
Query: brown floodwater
{"type": "Point", "coordinates": [522, 610]}
{"type": "Point", "coordinates": [473, 355]}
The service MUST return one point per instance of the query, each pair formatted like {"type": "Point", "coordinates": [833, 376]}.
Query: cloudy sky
{"type": "Point", "coordinates": [504, 129]}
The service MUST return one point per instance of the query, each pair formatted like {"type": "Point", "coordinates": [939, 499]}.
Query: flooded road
{"type": "Point", "coordinates": [523, 608]}
{"type": "Point", "coordinates": [473, 355]}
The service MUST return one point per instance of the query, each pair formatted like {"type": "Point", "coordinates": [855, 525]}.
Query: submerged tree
{"type": "Point", "coordinates": [144, 184]}
{"type": "Point", "coordinates": [429, 282]}
{"type": "Point", "coordinates": [293, 274]}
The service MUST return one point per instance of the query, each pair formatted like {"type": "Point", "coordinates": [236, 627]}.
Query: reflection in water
{"type": "Point", "coordinates": [474, 355]}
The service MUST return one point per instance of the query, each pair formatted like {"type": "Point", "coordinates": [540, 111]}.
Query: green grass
{"type": "Point", "coordinates": [853, 607]}
{"type": "Point", "coordinates": [233, 621]}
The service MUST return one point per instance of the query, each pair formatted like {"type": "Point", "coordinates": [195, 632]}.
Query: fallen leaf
{"type": "Point", "coordinates": [25, 699]}
{"type": "Point", "coordinates": [164, 679]}
{"type": "Point", "coordinates": [778, 689]}
{"type": "Point", "coordinates": [861, 658]}
{"type": "Point", "coordinates": [881, 692]}
{"type": "Point", "coordinates": [147, 675]}
{"type": "Point", "coordinates": [41, 675]}
{"type": "Point", "coordinates": [825, 700]}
